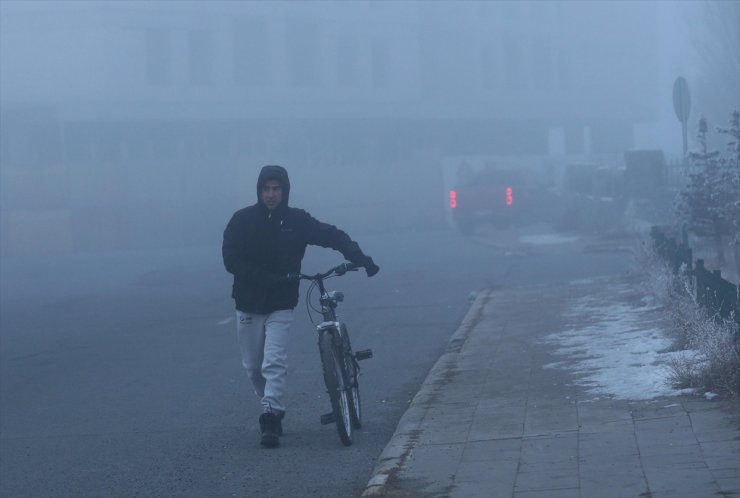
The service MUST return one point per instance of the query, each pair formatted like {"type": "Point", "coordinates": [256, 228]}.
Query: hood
{"type": "Point", "coordinates": [274, 172]}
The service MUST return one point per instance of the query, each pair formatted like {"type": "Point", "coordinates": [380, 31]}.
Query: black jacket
{"type": "Point", "coordinates": [261, 246]}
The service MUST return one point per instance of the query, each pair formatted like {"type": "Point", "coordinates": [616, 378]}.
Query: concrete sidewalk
{"type": "Point", "coordinates": [495, 418]}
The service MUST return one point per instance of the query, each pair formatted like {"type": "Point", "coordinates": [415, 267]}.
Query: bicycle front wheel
{"type": "Point", "coordinates": [352, 380]}
{"type": "Point", "coordinates": [333, 366]}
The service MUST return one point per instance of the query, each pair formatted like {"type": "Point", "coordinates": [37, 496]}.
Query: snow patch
{"type": "Point", "coordinates": [616, 354]}
{"type": "Point", "coordinates": [547, 239]}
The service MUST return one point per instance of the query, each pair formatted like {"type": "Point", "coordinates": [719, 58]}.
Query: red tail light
{"type": "Point", "coordinates": [509, 196]}
{"type": "Point", "coordinates": [453, 199]}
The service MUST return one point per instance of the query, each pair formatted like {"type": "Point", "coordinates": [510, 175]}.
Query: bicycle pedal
{"type": "Point", "coordinates": [364, 354]}
{"type": "Point", "coordinates": [327, 418]}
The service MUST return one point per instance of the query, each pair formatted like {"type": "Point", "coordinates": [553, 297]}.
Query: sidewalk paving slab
{"type": "Point", "coordinates": [502, 414]}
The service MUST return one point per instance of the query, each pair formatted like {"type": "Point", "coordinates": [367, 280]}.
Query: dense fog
{"type": "Point", "coordinates": [134, 124]}
{"type": "Point", "coordinates": [497, 160]}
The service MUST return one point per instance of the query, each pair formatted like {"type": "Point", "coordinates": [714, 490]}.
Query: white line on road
{"type": "Point", "coordinates": [226, 320]}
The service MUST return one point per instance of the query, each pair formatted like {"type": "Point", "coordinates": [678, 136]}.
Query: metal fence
{"type": "Point", "coordinates": [719, 297]}
{"type": "Point", "coordinates": [675, 253]}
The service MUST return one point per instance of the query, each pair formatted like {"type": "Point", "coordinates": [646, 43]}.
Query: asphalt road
{"type": "Point", "coordinates": [120, 376]}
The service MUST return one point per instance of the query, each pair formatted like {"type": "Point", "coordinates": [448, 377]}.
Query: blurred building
{"type": "Point", "coordinates": [129, 123]}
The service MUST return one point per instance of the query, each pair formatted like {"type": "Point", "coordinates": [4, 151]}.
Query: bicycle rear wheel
{"type": "Point", "coordinates": [333, 366]}
{"type": "Point", "coordinates": [355, 413]}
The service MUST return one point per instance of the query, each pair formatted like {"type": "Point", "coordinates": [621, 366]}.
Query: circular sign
{"type": "Point", "coordinates": [681, 99]}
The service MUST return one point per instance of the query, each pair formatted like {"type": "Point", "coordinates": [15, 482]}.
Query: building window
{"type": "Point", "coordinates": [200, 51]}
{"type": "Point", "coordinates": [542, 64]}
{"type": "Point", "coordinates": [46, 145]}
{"type": "Point", "coordinates": [540, 12]}
{"type": "Point", "coordinates": [252, 61]}
{"type": "Point", "coordinates": [485, 9]}
{"type": "Point", "coordinates": [347, 61]}
{"type": "Point", "coordinates": [513, 11]}
{"type": "Point", "coordinates": [158, 57]}
{"type": "Point", "coordinates": [513, 65]}
{"type": "Point", "coordinates": [109, 144]}
{"type": "Point", "coordinates": [165, 142]}
{"type": "Point", "coordinates": [303, 52]}
{"type": "Point", "coordinates": [380, 64]}
{"type": "Point", "coordinates": [429, 64]}
{"type": "Point", "coordinates": [564, 70]}
{"type": "Point", "coordinates": [489, 78]}
{"type": "Point", "coordinates": [80, 143]}
{"type": "Point", "coordinates": [136, 142]}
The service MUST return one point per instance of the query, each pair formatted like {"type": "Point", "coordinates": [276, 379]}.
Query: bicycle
{"type": "Point", "coordinates": [339, 363]}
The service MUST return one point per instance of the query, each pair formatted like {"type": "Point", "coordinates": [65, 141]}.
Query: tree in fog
{"type": "Point", "coordinates": [710, 202]}
{"type": "Point", "coordinates": [699, 204]}
{"type": "Point", "coordinates": [729, 188]}
{"type": "Point", "coordinates": [715, 31]}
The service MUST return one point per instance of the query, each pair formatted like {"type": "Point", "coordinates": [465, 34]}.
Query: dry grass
{"type": "Point", "coordinates": [710, 357]}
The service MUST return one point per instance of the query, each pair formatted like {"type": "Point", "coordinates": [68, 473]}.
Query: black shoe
{"type": "Point", "coordinates": [269, 425]}
{"type": "Point", "coordinates": [280, 417]}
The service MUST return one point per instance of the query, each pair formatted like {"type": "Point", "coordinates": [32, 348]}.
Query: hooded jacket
{"type": "Point", "coordinates": [261, 246]}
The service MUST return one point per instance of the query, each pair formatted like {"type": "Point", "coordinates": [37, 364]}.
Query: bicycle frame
{"type": "Point", "coordinates": [329, 300]}
{"type": "Point", "coordinates": [339, 362]}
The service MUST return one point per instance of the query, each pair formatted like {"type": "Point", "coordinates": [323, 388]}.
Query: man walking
{"type": "Point", "coordinates": [263, 247]}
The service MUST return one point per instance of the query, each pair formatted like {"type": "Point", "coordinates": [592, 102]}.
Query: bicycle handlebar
{"type": "Point", "coordinates": [338, 270]}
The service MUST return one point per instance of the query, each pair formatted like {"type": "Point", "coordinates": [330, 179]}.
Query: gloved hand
{"type": "Point", "coordinates": [370, 267]}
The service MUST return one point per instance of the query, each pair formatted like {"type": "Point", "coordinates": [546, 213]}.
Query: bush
{"type": "Point", "coordinates": [710, 356]}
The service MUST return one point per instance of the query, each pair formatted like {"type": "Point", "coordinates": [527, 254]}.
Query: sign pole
{"type": "Point", "coordinates": [682, 106]}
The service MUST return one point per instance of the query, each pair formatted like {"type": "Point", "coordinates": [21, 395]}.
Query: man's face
{"type": "Point", "coordinates": [272, 194]}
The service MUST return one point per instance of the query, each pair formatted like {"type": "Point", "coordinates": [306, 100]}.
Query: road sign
{"type": "Point", "coordinates": [681, 99]}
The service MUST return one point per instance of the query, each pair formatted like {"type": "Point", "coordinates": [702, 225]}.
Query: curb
{"type": "Point", "coordinates": [408, 431]}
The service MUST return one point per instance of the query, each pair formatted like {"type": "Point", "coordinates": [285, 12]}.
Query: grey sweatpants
{"type": "Point", "coordinates": [263, 341]}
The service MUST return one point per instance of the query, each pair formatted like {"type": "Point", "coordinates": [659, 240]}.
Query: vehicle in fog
{"type": "Point", "coordinates": [501, 197]}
